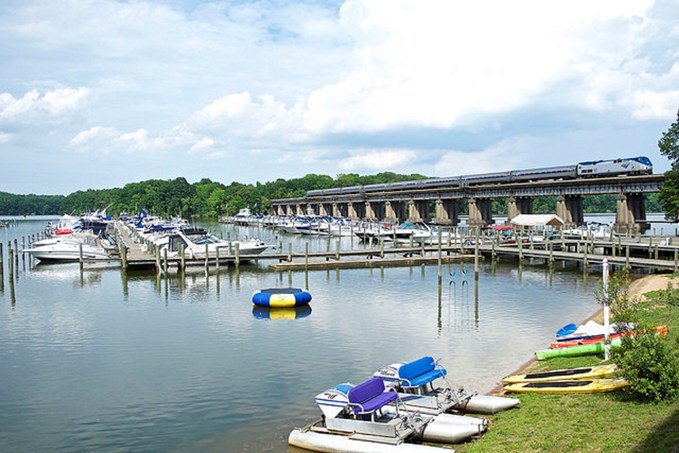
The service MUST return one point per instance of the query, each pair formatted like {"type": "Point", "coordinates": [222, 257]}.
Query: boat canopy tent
{"type": "Point", "coordinates": [537, 220]}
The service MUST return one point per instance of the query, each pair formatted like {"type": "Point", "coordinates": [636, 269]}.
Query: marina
{"type": "Point", "coordinates": [160, 356]}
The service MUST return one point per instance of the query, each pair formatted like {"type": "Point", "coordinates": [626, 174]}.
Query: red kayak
{"type": "Point", "coordinates": [662, 330]}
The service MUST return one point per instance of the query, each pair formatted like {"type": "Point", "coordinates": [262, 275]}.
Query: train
{"type": "Point", "coordinates": [640, 165]}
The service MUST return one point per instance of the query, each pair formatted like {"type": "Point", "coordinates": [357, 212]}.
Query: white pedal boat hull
{"type": "Point", "coordinates": [335, 443]}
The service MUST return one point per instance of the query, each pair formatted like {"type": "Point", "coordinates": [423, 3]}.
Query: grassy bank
{"type": "Point", "coordinates": [604, 422]}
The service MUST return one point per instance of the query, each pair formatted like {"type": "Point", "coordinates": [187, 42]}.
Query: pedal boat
{"type": "Point", "coordinates": [368, 418]}
{"type": "Point", "coordinates": [414, 383]}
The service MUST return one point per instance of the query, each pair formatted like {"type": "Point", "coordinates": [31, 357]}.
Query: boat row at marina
{"type": "Point", "coordinates": [92, 237]}
{"type": "Point", "coordinates": [400, 406]}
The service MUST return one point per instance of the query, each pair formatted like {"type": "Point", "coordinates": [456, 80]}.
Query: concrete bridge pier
{"type": "Point", "coordinates": [391, 211]}
{"type": "Point", "coordinates": [446, 212]}
{"type": "Point", "coordinates": [519, 205]}
{"type": "Point", "coordinates": [630, 214]}
{"type": "Point", "coordinates": [335, 210]}
{"type": "Point", "coordinates": [310, 209]}
{"type": "Point", "coordinates": [323, 209]}
{"type": "Point", "coordinates": [354, 211]}
{"type": "Point", "coordinates": [369, 212]}
{"type": "Point", "coordinates": [418, 211]}
{"type": "Point", "coordinates": [480, 213]}
{"type": "Point", "coordinates": [569, 208]}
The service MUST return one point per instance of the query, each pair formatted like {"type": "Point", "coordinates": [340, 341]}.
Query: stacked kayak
{"type": "Point", "coordinates": [569, 386]}
{"type": "Point", "coordinates": [592, 372]}
{"type": "Point", "coordinates": [661, 330]}
{"type": "Point", "coordinates": [591, 329]}
{"type": "Point", "coordinates": [587, 346]}
{"type": "Point", "coordinates": [567, 381]}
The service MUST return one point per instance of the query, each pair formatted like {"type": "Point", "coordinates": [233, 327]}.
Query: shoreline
{"type": "Point", "coordinates": [637, 288]}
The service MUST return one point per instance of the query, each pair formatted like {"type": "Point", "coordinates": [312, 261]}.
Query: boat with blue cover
{"type": "Point", "coordinates": [415, 383]}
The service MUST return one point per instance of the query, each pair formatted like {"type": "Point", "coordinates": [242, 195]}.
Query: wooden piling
{"type": "Point", "coordinates": [10, 264]}
{"type": "Point", "coordinates": [182, 258]}
{"type": "Point", "coordinates": [290, 251]}
{"type": "Point", "coordinates": [158, 266]}
{"type": "Point", "coordinates": [676, 260]}
{"type": "Point", "coordinates": [2, 266]}
{"type": "Point", "coordinates": [476, 254]}
{"type": "Point", "coordinates": [237, 261]}
{"type": "Point", "coordinates": [207, 257]}
{"type": "Point", "coordinates": [306, 257]}
{"type": "Point", "coordinates": [217, 258]}
{"type": "Point", "coordinates": [165, 261]}
{"type": "Point", "coordinates": [80, 256]}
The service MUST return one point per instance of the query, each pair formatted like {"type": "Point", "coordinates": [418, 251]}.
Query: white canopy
{"type": "Point", "coordinates": [532, 220]}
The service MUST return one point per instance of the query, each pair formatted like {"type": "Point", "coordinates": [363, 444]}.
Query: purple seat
{"type": "Point", "coordinates": [369, 396]}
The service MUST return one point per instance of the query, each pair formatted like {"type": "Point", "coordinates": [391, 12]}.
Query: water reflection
{"type": "Point", "coordinates": [288, 313]}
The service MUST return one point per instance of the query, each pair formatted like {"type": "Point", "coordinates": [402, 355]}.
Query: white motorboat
{"type": "Point", "coordinates": [67, 250]}
{"type": "Point", "coordinates": [196, 242]}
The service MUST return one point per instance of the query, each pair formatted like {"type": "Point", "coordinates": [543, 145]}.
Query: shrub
{"type": "Point", "coordinates": [650, 364]}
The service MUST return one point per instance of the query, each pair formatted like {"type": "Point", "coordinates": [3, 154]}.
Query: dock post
{"type": "Point", "coordinates": [585, 260]}
{"type": "Point", "coordinates": [422, 248]}
{"type": "Point", "coordinates": [158, 267]}
{"type": "Point", "coordinates": [238, 254]}
{"type": "Point", "coordinates": [627, 255]}
{"type": "Point", "coordinates": [207, 258]}
{"type": "Point", "coordinates": [16, 253]}
{"type": "Point", "coordinates": [80, 255]}
{"type": "Point", "coordinates": [123, 254]}
{"type": "Point", "coordinates": [306, 257]}
{"type": "Point", "coordinates": [519, 243]}
{"type": "Point", "coordinates": [381, 249]}
{"type": "Point", "coordinates": [655, 252]}
{"type": "Point", "coordinates": [440, 262]}
{"type": "Point", "coordinates": [551, 254]}
{"type": "Point", "coordinates": [2, 267]}
{"type": "Point", "coordinates": [182, 257]}
{"type": "Point", "coordinates": [10, 264]}
{"type": "Point", "coordinates": [532, 245]}
{"type": "Point", "coordinates": [217, 258]}
{"type": "Point", "coordinates": [476, 254]}
{"type": "Point", "coordinates": [290, 251]}
{"type": "Point", "coordinates": [493, 253]}
{"type": "Point", "coordinates": [165, 261]}
{"type": "Point", "coordinates": [650, 247]}
{"type": "Point", "coordinates": [337, 250]}
{"type": "Point", "coordinates": [676, 260]}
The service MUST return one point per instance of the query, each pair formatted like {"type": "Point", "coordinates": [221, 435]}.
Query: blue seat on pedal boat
{"type": "Point", "coordinates": [420, 372]}
{"type": "Point", "coordinates": [369, 397]}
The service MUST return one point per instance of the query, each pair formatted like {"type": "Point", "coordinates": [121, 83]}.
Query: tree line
{"type": "Point", "coordinates": [210, 199]}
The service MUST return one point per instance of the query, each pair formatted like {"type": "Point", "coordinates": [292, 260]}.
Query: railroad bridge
{"type": "Point", "coordinates": [441, 205]}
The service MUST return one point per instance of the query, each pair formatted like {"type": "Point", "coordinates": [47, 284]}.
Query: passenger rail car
{"type": "Point", "coordinates": [598, 168]}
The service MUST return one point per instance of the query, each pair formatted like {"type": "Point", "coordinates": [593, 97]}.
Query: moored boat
{"type": "Point", "coordinates": [415, 383]}
{"type": "Point", "coordinates": [368, 417]}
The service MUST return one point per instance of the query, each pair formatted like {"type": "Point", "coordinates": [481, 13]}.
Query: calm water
{"type": "Point", "coordinates": [99, 361]}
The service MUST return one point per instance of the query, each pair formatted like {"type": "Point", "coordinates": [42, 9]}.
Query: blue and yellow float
{"type": "Point", "coordinates": [281, 297]}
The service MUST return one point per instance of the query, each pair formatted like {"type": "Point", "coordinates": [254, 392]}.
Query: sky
{"type": "Point", "coordinates": [95, 94]}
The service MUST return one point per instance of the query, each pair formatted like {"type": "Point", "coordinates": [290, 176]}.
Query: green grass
{"type": "Point", "coordinates": [603, 422]}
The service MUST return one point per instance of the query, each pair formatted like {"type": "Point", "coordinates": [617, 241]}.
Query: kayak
{"type": "Point", "coordinates": [569, 386]}
{"type": "Point", "coordinates": [569, 373]}
{"type": "Point", "coordinates": [591, 329]}
{"type": "Point", "coordinates": [661, 330]}
{"type": "Point", "coordinates": [574, 351]}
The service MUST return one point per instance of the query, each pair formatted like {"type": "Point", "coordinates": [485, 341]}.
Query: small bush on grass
{"type": "Point", "coordinates": [651, 365]}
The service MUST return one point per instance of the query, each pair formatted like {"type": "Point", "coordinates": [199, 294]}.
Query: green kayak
{"type": "Point", "coordinates": [573, 351]}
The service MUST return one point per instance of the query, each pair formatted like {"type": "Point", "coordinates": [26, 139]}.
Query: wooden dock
{"type": "Point", "coordinates": [646, 252]}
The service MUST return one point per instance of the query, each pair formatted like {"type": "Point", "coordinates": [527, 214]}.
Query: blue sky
{"type": "Point", "coordinates": [99, 93]}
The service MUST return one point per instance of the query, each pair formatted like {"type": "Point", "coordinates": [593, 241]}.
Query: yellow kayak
{"type": "Point", "coordinates": [592, 372]}
{"type": "Point", "coordinates": [568, 387]}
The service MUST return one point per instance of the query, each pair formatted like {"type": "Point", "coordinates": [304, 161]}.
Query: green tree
{"type": "Point", "coordinates": [669, 192]}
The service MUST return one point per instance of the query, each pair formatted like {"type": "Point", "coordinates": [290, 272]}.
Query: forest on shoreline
{"type": "Point", "coordinates": [210, 199]}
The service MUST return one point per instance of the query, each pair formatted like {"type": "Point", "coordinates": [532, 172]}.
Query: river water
{"type": "Point", "coordinates": [100, 361]}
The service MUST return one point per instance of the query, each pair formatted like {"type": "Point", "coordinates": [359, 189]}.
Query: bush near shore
{"type": "Point", "coordinates": [621, 421]}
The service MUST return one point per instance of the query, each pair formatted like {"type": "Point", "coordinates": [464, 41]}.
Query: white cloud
{"type": "Point", "coordinates": [376, 160]}
{"type": "Point", "coordinates": [503, 156]}
{"type": "Point", "coordinates": [32, 105]}
{"type": "Point", "coordinates": [5, 137]}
